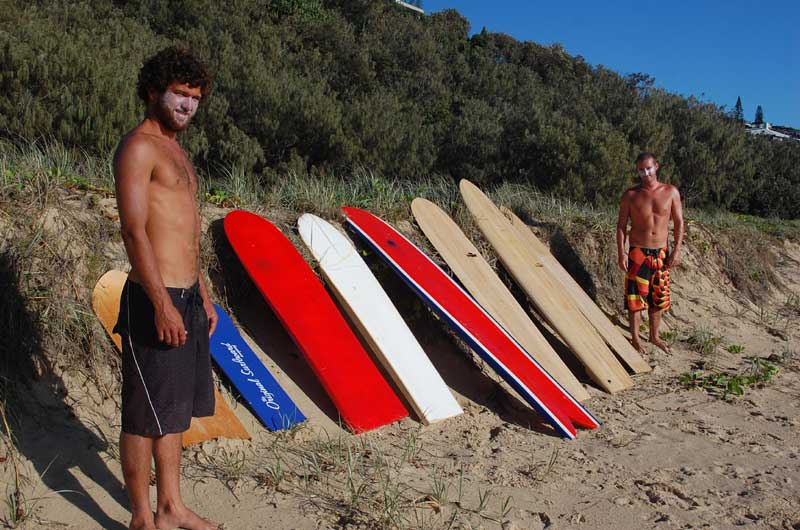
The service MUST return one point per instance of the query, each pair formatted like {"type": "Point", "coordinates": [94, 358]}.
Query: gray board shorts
{"type": "Point", "coordinates": [163, 387]}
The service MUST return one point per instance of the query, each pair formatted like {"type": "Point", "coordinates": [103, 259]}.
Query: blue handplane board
{"type": "Point", "coordinates": [244, 369]}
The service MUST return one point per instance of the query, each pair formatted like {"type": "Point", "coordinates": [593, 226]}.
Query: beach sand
{"type": "Point", "coordinates": [666, 456]}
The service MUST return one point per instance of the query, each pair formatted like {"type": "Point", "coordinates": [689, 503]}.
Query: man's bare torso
{"type": "Point", "coordinates": [649, 211]}
{"type": "Point", "coordinates": [173, 222]}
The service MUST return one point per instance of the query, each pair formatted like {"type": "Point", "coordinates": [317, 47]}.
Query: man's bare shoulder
{"type": "Point", "coordinates": [136, 141]}
{"type": "Point", "coordinates": [670, 189]}
{"type": "Point", "coordinates": [631, 192]}
{"type": "Point", "coordinates": [137, 150]}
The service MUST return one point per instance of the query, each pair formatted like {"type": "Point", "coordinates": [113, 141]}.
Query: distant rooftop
{"type": "Point", "coordinates": [765, 129]}
{"type": "Point", "coordinates": [414, 5]}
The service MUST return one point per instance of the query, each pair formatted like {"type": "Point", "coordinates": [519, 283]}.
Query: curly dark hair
{"type": "Point", "coordinates": [173, 64]}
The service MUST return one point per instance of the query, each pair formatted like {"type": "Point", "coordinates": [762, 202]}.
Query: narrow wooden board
{"type": "Point", "coordinates": [224, 423]}
{"type": "Point", "coordinates": [545, 292]}
{"type": "Point", "coordinates": [593, 314]}
{"type": "Point", "coordinates": [465, 260]}
{"type": "Point", "coordinates": [362, 396]}
{"type": "Point", "coordinates": [474, 324]}
{"type": "Point", "coordinates": [378, 321]}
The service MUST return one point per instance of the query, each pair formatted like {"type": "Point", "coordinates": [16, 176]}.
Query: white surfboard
{"type": "Point", "coordinates": [378, 320]}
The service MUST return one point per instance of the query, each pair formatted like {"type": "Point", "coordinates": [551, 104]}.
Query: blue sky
{"type": "Point", "coordinates": [715, 50]}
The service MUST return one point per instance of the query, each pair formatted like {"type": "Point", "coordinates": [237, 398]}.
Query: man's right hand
{"type": "Point", "coordinates": [622, 262]}
{"type": "Point", "coordinates": [169, 326]}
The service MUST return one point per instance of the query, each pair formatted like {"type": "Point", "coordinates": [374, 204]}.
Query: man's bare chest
{"type": "Point", "coordinates": [648, 203]}
{"type": "Point", "coordinates": [174, 171]}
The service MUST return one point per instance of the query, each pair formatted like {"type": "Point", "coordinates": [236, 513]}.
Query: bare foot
{"type": "Point", "coordinates": [142, 524]}
{"type": "Point", "coordinates": [661, 344]}
{"type": "Point", "coordinates": [637, 346]}
{"type": "Point", "coordinates": [182, 517]}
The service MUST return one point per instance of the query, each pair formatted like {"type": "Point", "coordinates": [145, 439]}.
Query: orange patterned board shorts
{"type": "Point", "coordinates": [647, 280]}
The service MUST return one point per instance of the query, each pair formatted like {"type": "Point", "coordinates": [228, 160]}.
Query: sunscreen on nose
{"type": "Point", "coordinates": [178, 103]}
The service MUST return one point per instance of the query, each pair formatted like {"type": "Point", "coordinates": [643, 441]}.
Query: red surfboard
{"type": "Point", "coordinates": [493, 343]}
{"type": "Point", "coordinates": [358, 390]}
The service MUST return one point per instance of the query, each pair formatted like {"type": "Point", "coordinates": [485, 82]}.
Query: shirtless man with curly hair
{"type": "Point", "coordinates": [166, 316]}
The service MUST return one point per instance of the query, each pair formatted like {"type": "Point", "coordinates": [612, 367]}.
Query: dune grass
{"type": "Point", "coordinates": [357, 482]}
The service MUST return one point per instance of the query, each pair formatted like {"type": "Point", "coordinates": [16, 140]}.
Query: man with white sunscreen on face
{"type": "Point", "coordinates": [166, 316]}
{"type": "Point", "coordinates": [649, 208]}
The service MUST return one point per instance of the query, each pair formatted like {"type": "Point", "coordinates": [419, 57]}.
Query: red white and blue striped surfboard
{"type": "Point", "coordinates": [493, 343]}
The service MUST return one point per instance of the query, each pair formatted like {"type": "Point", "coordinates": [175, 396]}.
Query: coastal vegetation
{"type": "Point", "coordinates": [324, 88]}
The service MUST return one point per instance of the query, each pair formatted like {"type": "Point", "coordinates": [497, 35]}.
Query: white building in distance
{"type": "Point", "coordinates": [765, 129]}
{"type": "Point", "coordinates": [410, 6]}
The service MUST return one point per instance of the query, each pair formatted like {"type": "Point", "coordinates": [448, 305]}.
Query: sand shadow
{"type": "Point", "coordinates": [45, 428]}
{"type": "Point", "coordinates": [243, 300]}
{"type": "Point", "coordinates": [564, 253]}
{"type": "Point", "coordinates": [561, 349]}
{"type": "Point", "coordinates": [451, 356]}
{"type": "Point", "coordinates": [571, 261]}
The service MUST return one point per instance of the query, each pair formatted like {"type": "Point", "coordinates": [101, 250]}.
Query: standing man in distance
{"type": "Point", "coordinates": [649, 208]}
{"type": "Point", "coordinates": [166, 316]}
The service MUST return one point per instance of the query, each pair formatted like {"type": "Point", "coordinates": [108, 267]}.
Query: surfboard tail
{"type": "Point", "coordinates": [568, 409]}
{"type": "Point", "coordinates": [574, 410]}
{"type": "Point", "coordinates": [582, 417]}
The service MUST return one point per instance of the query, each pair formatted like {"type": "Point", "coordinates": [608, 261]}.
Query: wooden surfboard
{"type": "Point", "coordinates": [267, 400]}
{"type": "Point", "coordinates": [378, 321]}
{"type": "Point", "coordinates": [224, 423]}
{"type": "Point", "coordinates": [362, 396]}
{"type": "Point", "coordinates": [545, 292]}
{"type": "Point", "coordinates": [593, 314]}
{"type": "Point", "coordinates": [493, 343]}
{"type": "Point", "coordinates": [465, 260]}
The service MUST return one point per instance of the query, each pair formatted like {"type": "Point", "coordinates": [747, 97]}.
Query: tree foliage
{"type": "Point", "coordinates": [327, 85]}
{"type": "Point", "coordinates": [738, 110]}
{"type": "Point", "coordinates": [759, 115]}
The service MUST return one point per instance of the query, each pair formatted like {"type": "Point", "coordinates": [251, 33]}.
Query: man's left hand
{"type": "Point", "coordinates": [211, 313]}
{"type": "Point", "coordinates": [673, 261]}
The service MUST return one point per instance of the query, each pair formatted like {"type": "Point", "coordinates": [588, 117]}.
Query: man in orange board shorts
{"type": "Point", "coordinates": [649, 208]}
{"type": "Point", "coordinates": [166, 315]}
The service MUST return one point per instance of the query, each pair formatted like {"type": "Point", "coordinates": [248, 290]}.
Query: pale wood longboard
{"type": "Point", "coordinates": [105, 302]}
{"type": "Point", "coordinates": [378, 321]}
{"type": "Point", "coordinates": [545, 292]}
{"type": "Point", "coordinates": [593, 314]}
{"type": "Point", "coordinates": [475, 273]}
